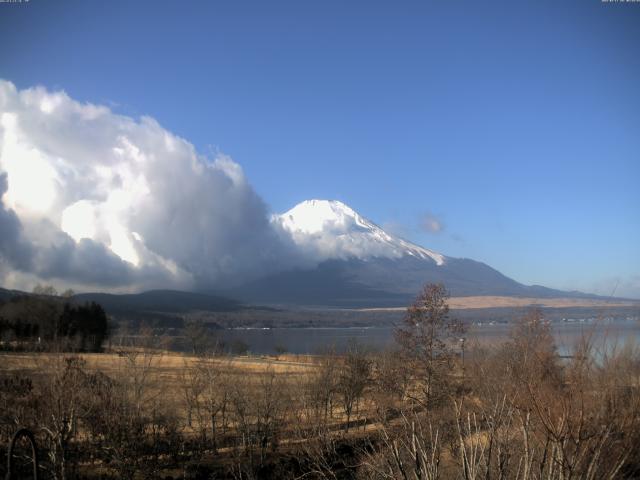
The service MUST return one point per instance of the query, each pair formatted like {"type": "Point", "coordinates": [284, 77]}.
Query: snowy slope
{"type": "Point", "coordinates": [355, 263]}
{"type": "Point", "coordinates": [329, 229]}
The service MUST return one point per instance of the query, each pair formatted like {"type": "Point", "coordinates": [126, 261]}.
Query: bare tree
{"type": "Point", "coordinates": [206, 392]}
{"type": "Point", "coordinates": [199, 336]}
{"type": "Point", "coordinates": [411, 449]}
{"type": "Point", "coordinates": [532, 349]}
{"type": "Point", "coordinates": [271, 404]}
{"type": "Point", "coordinates": [320, 389]}
{"type": "Point", "coordinates": [62, 406]}
{"type": "Point", "coordinates": [426, 338]}
{"type": "Point", "coordinates": [68, 293]}
{"type": "Point", "coordinates": [280, 350]}
{"type": "Point", "coordinates": [45, 290]}
{"type": "Point", "coordinates": [353, 377]}
{"type": "Point", "coordinates": [390, 380]}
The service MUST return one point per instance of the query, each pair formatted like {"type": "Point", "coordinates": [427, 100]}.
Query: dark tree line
{"type": "Point", "coordinates": [45, 322]}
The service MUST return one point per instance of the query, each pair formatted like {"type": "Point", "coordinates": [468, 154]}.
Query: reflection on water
{"type": "Point", "coordinates": [314, 340]}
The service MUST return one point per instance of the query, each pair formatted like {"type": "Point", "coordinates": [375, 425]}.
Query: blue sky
{"type": "Point", "coordinates": [515, 124]}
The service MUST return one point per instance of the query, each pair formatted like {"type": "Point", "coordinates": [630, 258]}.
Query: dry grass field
{"type": "Point", "coordinates": [149, 413]}
{"type": "Point", "coordinates": [164, 362]}
{"type": "Point", "coordinates": [464, 303]}
{"type": "Point", "coordinates": [165, 370]}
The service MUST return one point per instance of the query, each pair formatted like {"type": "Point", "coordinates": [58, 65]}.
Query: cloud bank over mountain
{"type": "Point", "coordinates": [96, 199]}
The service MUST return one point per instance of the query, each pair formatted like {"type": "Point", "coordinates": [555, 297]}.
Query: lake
{"type": "Point", "coordinates": [314, 340]}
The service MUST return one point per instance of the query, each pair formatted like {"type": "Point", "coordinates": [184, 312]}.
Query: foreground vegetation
{"type": "Point", "coordinates": [435, 407]}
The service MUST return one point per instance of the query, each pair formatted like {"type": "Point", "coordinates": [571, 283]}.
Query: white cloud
{"type": "Point", "coordinates": [97, 199]}
{"type": "Point", "coordinates": [79, 220]}
{"type": "Point", "coordinates": [431, 224]}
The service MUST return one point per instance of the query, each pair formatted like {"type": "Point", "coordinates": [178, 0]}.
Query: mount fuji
{"type": "Point", "coordinates": [358, 264]}
{"type": "Point", "coordinates": [331, 229]}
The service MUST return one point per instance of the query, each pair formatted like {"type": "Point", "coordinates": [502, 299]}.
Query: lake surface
{"type": "Point", "coordinates": [605, 334]}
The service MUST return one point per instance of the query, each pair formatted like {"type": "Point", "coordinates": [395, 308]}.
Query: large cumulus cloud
{"type": "Point", "coordinates": [14, 249]}
{"type": "Point", "coordinates": [92, 198]}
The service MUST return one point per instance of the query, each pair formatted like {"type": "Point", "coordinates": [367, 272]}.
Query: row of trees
{"type": "Point", "coordinates": [514, 411]}
{"type": "Point", "coordinates": [43, 322]}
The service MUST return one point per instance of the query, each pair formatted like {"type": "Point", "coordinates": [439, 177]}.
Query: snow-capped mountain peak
{"type": "Point", "coordinates": [330, 229]}
{"type": "Point", "coordinates": [314, 216]}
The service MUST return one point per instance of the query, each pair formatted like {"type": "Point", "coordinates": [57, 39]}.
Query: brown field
{"type": "Point", "coordinates": [166, 366]}
{"type": "Point", "coordinates": [162, 414]}
{"type": "Point", "coordinates": [465, 303]}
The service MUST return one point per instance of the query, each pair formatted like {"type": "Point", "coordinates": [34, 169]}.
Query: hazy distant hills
{"type": "Point", "coordinates": [7, 294]}
{"type": "Point", "coordinates": [160, 301]}
{"type": "Point", "coordinates": [150, 302]}
{"type": "Point", "coordinates": [384, 282]}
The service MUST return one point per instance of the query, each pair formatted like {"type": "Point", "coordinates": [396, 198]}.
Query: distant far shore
{"type": "Point", "coordinates": [465, 303]}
